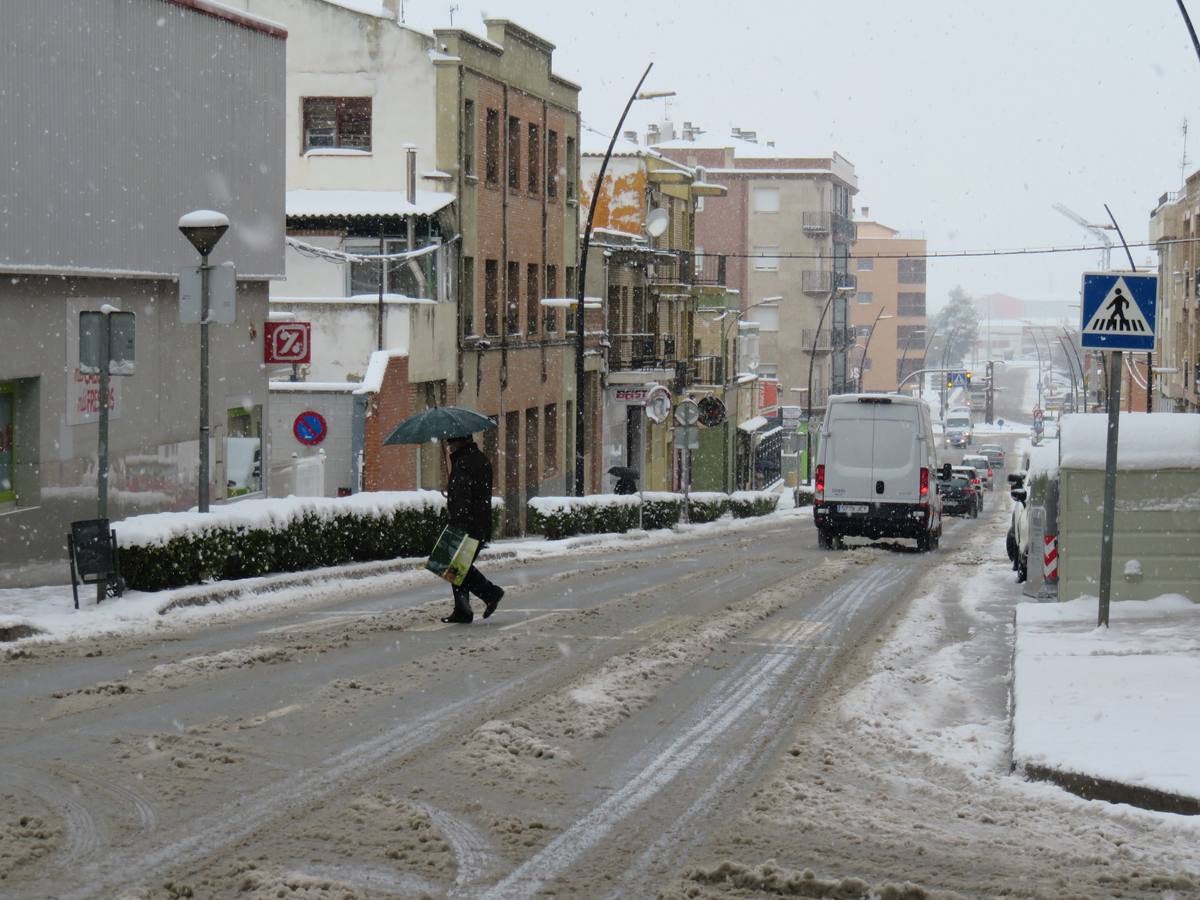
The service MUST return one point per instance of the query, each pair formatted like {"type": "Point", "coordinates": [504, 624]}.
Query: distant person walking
{"type": "Point", "coordinates": [469, 505]}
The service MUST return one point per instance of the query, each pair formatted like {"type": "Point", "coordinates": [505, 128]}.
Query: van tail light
{"type": "Point", "coordinates": [819, 487]}
{"type": "Point", "coordinates": [924, 484]}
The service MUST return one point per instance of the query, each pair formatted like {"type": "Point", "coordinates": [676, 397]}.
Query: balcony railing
{"type": "Point", "coordinates": [706, 370]}
{"type": "Point", "coordinates": [817, 222]}
{"type": "Point", "coordinates": [637, 352]}
{"type": "Point", "coordinates": [673, 269]}
{"type": "Point", "coordinates": [816, 281]}
{"type": "Point", "coordinates": [708, 269]}
{"type": "Point", "coordinates": [844, 229]}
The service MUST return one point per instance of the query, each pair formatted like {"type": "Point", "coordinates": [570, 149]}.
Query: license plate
{"type": "Point", "coordinates": [852, 508]}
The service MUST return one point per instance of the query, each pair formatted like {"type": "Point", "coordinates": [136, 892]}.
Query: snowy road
{"type": "Point", "coordinates": [714, 717]}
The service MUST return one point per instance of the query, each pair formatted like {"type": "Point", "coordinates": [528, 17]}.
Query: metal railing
{"type": "Point", "coordinates": [706, 370]}
{"type": "Point", "coordinates": [817, 222]}
{"type": "Point", "coordinates": [684, 267]}
{"type": "Point", "coordinates": [708, 269]}
{"type": "Point", "coordinates": [844, 229]}
{"type": "Point", "coordinates": [636, 352]}
{"type": "Point", "coordinates": [816, 281]}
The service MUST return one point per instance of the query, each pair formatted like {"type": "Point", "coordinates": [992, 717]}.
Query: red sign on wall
{"type": "Point", "coordinates": [287, 342]}
{"type": "Point", "coordinates": [768, 396]}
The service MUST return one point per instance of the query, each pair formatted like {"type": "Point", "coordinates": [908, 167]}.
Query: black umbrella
{"type": "Point", "coordinates": [438, 423]}
{"type": "Point", "coordinates": [623, 472]}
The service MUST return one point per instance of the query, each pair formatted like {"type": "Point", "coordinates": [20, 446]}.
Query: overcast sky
{"type": "Point", "coordinates": [964, 120]}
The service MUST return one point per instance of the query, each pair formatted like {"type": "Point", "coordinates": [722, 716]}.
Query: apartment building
{"type": "Point", "coordinates": [786, 225]}
{"type": "Point", "coordinates": [887, 312]}
{"type": "Point", "coordinates": [91, 221]}
{"type": "Point", "coordinates": [642, 266]}
{"type": "Point", "coordinates": [1176, 216]}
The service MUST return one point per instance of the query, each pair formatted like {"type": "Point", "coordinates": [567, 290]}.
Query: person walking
{"type": "Point", "coordinates": [469, 507]}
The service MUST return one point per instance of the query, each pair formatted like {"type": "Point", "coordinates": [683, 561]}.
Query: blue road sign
{"type": "Point", "coordinates": [958, 379]}
{"type": "Point", "coordinates": [1118, 311]}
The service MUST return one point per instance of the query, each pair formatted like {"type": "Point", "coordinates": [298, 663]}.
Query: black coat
{"type": "Point", "coordinates": [469, 492]}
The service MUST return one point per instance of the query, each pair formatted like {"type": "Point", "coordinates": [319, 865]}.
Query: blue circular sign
{"type": "Point", "coordinates": [310, 428]}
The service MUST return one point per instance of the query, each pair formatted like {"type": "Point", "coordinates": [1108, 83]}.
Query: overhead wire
{"type": "Point", "coordinates": [958, 254]}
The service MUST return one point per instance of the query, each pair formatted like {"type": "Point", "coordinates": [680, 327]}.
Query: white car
{"type": "Point", "coordinates": [982, 465]}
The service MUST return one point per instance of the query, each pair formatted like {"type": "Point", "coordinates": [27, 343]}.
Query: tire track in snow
{"type": "Point", "coordinates": [741, 691]}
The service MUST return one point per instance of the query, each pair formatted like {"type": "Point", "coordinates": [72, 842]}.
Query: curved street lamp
{"type": "Point", "coordinates": [867, 346]}
{"type": "Point", "coordinates": [904, 352]}
{"type": "Point", "coordinates": [812, 358]}
{"type": "Point", "coordinates": [585, 243]}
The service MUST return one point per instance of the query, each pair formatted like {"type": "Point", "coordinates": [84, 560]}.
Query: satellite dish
{"type": "Point", "coordinates": [657, 222]}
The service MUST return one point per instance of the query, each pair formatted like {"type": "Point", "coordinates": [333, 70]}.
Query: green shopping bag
{"type": "Point", "coordinates": [452, 555]}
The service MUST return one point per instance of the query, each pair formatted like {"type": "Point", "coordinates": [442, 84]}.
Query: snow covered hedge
{"type": "Point", "coordinates": [257, 537]}
{"type": "Point", "coordinates": [560, 517]}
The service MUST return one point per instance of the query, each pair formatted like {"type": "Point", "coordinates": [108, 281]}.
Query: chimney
{"type": "Point", "coordinates": [393, 9]}
{"type": "Point", "coordinates": [651, 133]}
{"type": "Point", "coordinates": [751, 136]}
{"type": "Point", "coordinates": [631, 136]}
{"type": "Point", "coordinates": [866, 212]}
{"type": "Point", "coordinates": [735, 132]}
{"type": "Point", "coordinates": [688, 134]}
{"type": "Point", "coordinates": [411, 172]}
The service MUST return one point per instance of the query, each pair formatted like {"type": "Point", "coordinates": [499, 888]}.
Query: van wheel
{"type": "Point", "coordinates": [824, 539]}
{"type": "Point", "coordinates": [923, 543]}
{"type": "Point", "coordinates": [1023, 568]}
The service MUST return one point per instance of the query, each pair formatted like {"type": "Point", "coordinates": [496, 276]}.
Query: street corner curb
{"type": "Point", "coordinates": [1091, 788]}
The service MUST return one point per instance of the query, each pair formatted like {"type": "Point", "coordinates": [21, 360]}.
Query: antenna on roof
{"type": "Point", "coordinates": [453, 10]}
{"type": "Point", "coordinates": [1183, 163]}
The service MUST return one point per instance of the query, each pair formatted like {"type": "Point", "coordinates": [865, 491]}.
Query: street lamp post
{"type": "Point", "coordinates": [904, 352]}
{"type": "Point", "coordinates": [580, 317]}
{"type": "Point", "coordinates": [1037, 349]}
{"type": "Point", "coordinates": [203, 228]}
{"type": "Point", "coordinates": [812, 358]}
{"type": "Point", "coordinates": [867, 346]}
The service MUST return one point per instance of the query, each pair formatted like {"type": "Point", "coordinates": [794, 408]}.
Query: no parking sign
{"type": "Point", "coordinates": [310, 428]}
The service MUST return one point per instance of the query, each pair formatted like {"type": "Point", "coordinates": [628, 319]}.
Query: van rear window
{"type": "Point", "coordinates": [874, 399]}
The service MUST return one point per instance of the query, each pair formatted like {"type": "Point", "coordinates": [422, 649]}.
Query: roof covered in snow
{"type": "Point", "coordinates": [1145, 441]}
{"type": "Point", "coordinates": [317, 204]}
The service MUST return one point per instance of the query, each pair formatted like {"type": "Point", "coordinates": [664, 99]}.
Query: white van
{"type": "Point", "coordinates": [877, 471]}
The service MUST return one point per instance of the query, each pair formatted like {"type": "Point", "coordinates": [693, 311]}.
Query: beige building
{"type": "Point", "coordinates": [786, 225]}
{"type": "Point", "coordinates": [1177, 217]}
{"type": "Point", "coordinates": [888, 310]}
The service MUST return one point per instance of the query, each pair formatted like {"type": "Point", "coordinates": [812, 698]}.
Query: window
{"type": "Point", "coordinates": [8, 411]}
{"type": "Point", "coordinates": [569, 290]}
{"type": "Point", "coordinates": [512, 311]}
{"type": "Point", "coordinates": [551, 291]}
{"type": "Point", "coordinates": [552, 163]}
{"type": "Point", "coordinates": [910, 271]}
{"type": "Point", "coordinates": [910, 304]}
{"type": "Point", "coordinates": [532, 298]}
{"type": "Point", "coordinates": [550, 441]}
{"type": "Point", "coordinates": [491, 148]}
{"type": "Point", "coordinates": [514, 153]}
{"type": "Point", "coordinates": [865, 297]}
{"type": "Point", "coordinates": [535, 157]}
{"type": "Point", "coordinates": [865, 264]}
{"type": "Point", "coordinates": [767, 318]}
{"type": "Point", "coordinates": [766, 259]}
{"type": "Point", "coordinates": [243, 451]}
{"type": "Point", "coordinates": [466, 302]}
{"type": "Point", "coordinates": [491, 296]}
{"type": "Point", "coordinates": [468, 137]}
{"type": "Point", "coordinates": [910, 336]}
{"type": "Point", "coordinates": [766, 200]}
{"type": "Point", "coordinates": [342, 123]}
{"type": "Point", "coordinates": [572, 169]}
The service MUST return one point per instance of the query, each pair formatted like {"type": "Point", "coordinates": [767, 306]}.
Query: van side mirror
{"type": "Point", "coordinates": [947, 471]}
{"type": "Point", "coordinates": [1018, 494]}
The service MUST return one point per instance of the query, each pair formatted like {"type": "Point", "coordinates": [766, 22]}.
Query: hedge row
{"type": "Point", "coordinates": [560, 517]}
{"type": "Point", "coordinates": [259, 537]}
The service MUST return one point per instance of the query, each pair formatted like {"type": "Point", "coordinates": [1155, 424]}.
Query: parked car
{"type": "Point", "coordinates": [877, 471]}
{"type": "Point", "coordinates": [972, 475]}
{"type": "Point", "coordinates": [1017, 541]}
{"type": "Point", "coordinates": [994, 453]}
{"type": "Point", "coordinates": [958, 496]}
{"type": "Point", "coordinates": [982, 465]}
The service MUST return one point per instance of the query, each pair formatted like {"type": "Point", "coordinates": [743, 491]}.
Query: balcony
{"type": "Point", "coordinates": [670, 267]}
{"type": "Point", "coordinates": [817, 222]}
{"type": "Point", "coordinates": [639, 352]}
{"type": "Point", "coordinates": [816, 281]}
{"type": "Point", "coordinates": [844, 229]}
{"type": "Point", "coordinates": [824, 343]}
{"type": "Point", "coordinates": [705, 370]}
{"type": "Point", "coordinates": [708, 269]}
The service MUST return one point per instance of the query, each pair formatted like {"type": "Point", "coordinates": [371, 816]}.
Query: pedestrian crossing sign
{"type": "Point", "coordinates": [958, 379]}
{"type": "Point", "coordinates": [1118, 311]}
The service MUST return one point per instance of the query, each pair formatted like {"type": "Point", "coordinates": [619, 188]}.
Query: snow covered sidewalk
{"type": "Point", "coordinates": [1111, 713]}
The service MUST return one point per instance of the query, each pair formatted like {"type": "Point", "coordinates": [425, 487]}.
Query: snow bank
{"type": "Point", "coordinates": [1146, 441]}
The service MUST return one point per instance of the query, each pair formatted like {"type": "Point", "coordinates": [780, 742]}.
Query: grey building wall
{"type": "Point", "coordinates": [337, 408]}
{"type": "Point", "coordinates": [118, 116]}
